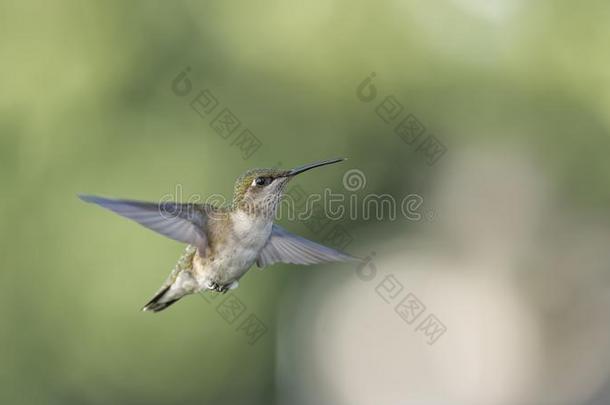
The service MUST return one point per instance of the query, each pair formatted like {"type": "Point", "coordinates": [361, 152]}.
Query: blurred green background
{"type": "Point", "coordinates": [87, 106]}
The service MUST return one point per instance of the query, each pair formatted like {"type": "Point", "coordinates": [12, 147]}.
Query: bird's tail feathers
{"type": "Point", "coordinates": [160, 301]}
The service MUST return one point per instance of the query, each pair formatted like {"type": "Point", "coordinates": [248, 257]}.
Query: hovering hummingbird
{"type": "Point", "coordinates": [224, 242]}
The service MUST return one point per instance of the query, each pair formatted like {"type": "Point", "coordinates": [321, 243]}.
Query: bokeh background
{"type": "Point", "coordinates": [510, 254]}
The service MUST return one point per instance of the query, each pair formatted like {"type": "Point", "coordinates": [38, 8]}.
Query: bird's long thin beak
{"type": "Point", "coordinates": [304, 168]}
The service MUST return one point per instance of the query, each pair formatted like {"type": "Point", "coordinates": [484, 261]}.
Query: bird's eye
{"type": "Point", "coordinates": [262, 181]}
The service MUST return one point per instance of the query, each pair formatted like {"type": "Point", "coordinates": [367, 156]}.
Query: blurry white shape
{"type": "Point", "coordinates": [525, 307]}
{"type": "Point", "coordinates": [492, 203]}
{"type": "Point", "coordinates": [490, 10]}
{"type": "Point", "coordinates": [470, 32]}
{"type": "Point", "coordinates": [359, 347]}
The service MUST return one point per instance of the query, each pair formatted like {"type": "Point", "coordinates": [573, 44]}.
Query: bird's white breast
{"type": "Point", "coordinates": [241, 248]}
{"type": "Point", "coordinates": [250, 229]}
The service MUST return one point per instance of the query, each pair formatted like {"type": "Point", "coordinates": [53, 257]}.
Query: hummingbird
{"type": "Point", "coordinates": [223, 243]}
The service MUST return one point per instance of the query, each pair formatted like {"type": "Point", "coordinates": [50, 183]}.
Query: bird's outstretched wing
{"type": "Point", "coordinates": [181, 222]}
{"type": "Point", "coordinates": [285, 247]}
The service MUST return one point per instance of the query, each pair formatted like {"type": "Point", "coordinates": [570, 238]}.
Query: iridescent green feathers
{"type": "Point", "coordinates": [244, 181]}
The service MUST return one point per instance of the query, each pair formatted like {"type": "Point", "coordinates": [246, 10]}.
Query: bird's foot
{"type": "Point", "coordinates": [221, 288]}
{"type": "Point", "coordinates": [213, 286]}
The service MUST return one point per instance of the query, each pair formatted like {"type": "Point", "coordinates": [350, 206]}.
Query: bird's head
{"type": "Point", "coordinates": [260, 190]}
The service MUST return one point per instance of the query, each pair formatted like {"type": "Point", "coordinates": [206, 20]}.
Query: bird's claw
{"type": "Point", "coordinates": [221, 288]}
